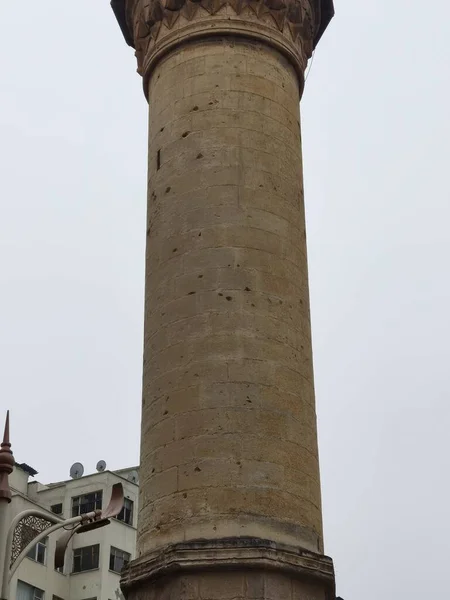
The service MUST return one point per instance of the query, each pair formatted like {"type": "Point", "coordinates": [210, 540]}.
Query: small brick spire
{"type": "Point", "coordinates": [6, 463]}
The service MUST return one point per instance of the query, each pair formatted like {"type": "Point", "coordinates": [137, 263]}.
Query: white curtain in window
{"type": "Point", "coordinates": [24, 591]}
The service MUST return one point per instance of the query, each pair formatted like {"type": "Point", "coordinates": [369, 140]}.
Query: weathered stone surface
{"type": "Point", "coordinates": [229, 442]}
{"type": "Point", "coordinates": [230, 569]}
{"type": "Point", "coordinates": [293, 26]}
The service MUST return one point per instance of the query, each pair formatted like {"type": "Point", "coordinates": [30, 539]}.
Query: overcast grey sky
{"type": "Point", "coordinates": [376, 135]}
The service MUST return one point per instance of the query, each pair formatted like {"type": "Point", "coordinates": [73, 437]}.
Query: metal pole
{"type": "Point", "coordinates": [9, 572]}
{"type": "Point", "coordinates": [3, 535]}
{"type": "Point", "coordinates": [91, 519]}
{"type": "Point", "coordinates": [6, 468]}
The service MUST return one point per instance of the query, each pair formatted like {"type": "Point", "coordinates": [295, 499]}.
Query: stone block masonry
{"type": "Point", "coordinates": [228, 352]}
{"type": "Point", "coordinates": [230, 504]}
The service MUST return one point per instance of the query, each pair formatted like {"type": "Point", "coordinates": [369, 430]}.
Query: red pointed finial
{"type": "Point", "coordinates": [6, 463]}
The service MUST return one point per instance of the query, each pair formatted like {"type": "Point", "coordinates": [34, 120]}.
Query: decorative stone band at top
{"type": "Point", "coordinates": [158, 26]}
{"type": "Point", "coordinates": [237, 553]}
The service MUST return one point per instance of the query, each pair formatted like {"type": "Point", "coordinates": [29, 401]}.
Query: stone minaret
{"type": "Point", "coordinates": [230, 503]}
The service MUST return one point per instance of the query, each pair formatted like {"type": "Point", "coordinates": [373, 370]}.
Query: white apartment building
{"type": "Point", "coordinates": [94, 559]}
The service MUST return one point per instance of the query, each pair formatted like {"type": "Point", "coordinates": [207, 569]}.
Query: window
{"type": "Point", "coordinates": [25, 591]}
{"type": "Point", "coordinates": [126, 514]}
{"type": "Point", "coordinates": [39, 551]}
{"type": "Point", "coordinates": [86, 503]}
{"type": "Point", "coordinates": [57, 509]}
{"type": "Point", "coordinates": [85, 559]}
{"type": "Point", "coordinates": [118, 559]}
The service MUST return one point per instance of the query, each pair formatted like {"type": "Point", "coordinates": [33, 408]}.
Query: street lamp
{"type": "Point", "coordinates": [14, 545]}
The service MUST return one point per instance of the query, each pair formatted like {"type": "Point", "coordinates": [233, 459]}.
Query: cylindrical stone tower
{"type": "Point", "coordinates": [230, 496]}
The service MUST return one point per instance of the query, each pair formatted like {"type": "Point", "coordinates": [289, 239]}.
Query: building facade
{"type": "Point", "coordinates": [94, 559]}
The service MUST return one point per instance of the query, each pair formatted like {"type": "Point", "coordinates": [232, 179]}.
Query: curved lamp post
{"type": "Point", "coordinates": [15, 545]}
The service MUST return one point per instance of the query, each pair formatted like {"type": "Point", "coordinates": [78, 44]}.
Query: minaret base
{"type": "Point", "coordinates": [230, 569]}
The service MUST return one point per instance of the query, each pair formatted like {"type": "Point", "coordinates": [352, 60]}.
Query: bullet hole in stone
{"type": "Point", "coordinates": [200, 276]}
{"type": "Point", "coordinates": [229, 265]}
{"type": "Point", "coordinates": [197, 469]}
{"type": "Point", "coordinates": [158, 160]}
{"type": "Point", "coordinates": [163, 314]}
{"type": "Point", "coordinates": [162, 129]}
{"type": "Point", "coordinates": [253, 304]}
{"type": "Point", "coordinates": [217, 85]}
{"type": "Point", "coordinates": [214, 528]}
{"type": "Point", "coordinates": [199, 155]}
{"type": "Point", "coordinates": [247, 289]}
{"type": "Point", "coordinates": [153, 470]}
{"type": "Point", "coordinates": [168, 189]}
{"type": "Point", "coordinates": [302, 347]}
{"type": "Point", "coordinates": [248, 400]}
{"type": "Point", "coordinates": [238, 462]}
{"type": "Point", "coordinates": [196, 375]}
{"type": "Point", "coordinates": [175, 249]}
{"type": "Point", "coordinates": [211, 103]}
{"type": "Point", "coordinates": [238, 265]}
{"type": "Point", "coordinates": [165, 412]}
{"type": "Point", "coordinates": [301, 301]}
{"type": "Point", "coordinates": [229, 298]}
{"type": "Point", "coordinates": [190, 293]}
{"type": "Point", "coordinates": [260, 185]}
{"type": "Point", "coordinates": [167, 397]}
{"type": "Point", "coordinates": [185, 134]}
{"type": "Point", "coordinates": [200, 234]}
{"type": "Point", "coordinates": [184, 495]}
{"type": "Point", "coordinates": [195, 108]}
{"type": "Point", "coordinates": [220, 294]}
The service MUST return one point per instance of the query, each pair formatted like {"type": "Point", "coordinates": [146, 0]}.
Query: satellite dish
{"type": "Point", "coordinates": [76, 470]}
{"type": "Point", "coordinates": [133, 477]}
{"type": "Point", "coordinates": [101, 466]}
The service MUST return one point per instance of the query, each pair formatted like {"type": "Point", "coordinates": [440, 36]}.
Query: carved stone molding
{"type": "Point", "coordinates": [154, 27]}
{"type": "Point", "coordinates": [239, 553]}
